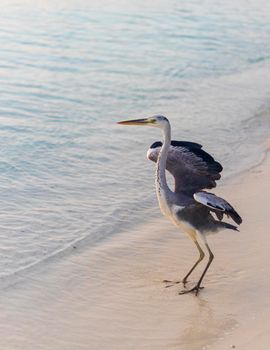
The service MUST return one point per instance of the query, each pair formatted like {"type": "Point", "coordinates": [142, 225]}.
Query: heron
{"type": "Point", "coordinates": [193, 210]}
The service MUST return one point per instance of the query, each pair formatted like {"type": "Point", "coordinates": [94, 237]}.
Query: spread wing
{"type": "Point", "coordinates": [193, 169]}
{"type": "Point", "coordinates": [218, 205]}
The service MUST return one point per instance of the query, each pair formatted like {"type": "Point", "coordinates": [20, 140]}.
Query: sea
{"type": "Point", "coordinates": [69, 70]}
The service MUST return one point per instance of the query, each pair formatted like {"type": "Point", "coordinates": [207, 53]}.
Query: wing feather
{"type": "Point", "coordinates": [218, 205]}
{"type": "Point", "coordinates": [193, 168]}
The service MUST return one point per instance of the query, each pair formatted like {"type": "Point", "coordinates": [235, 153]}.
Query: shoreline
{"type": "Point", "coordinates": [87, 242]}
{"type": "Point", "coordinates": [112, 297]}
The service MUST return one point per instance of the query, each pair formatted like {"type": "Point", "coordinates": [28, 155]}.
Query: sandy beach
{"type": "Point", "coordinates": [112, 297]}
{"type": "Point", "coordinates": [84, 249]}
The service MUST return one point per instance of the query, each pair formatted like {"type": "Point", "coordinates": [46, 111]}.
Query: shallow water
{"type": "Point", "coordinates": [69, 71]}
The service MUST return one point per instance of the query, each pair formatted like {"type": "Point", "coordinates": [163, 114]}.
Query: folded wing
{"type": "Point", "coordinates": [218, 205]}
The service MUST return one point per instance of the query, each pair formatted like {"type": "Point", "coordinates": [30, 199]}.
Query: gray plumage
{"type": "Point", "coordinates": [193, 170]}
{"type": "Point", "coordinates": [189, 206]}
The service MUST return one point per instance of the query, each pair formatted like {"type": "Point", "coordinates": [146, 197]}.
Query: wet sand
{"type": "Point", "coordinates": [112, 297]}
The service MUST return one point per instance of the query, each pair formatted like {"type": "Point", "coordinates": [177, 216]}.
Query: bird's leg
{"type": "Point", "coordinates": [202, 255]}
{"type": "Point", "coordinates": [184, 280]}
{"type": "Point", "coordinates": [197, 288]}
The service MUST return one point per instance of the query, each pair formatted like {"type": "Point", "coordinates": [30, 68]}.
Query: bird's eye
{"type": "Point", "coordinates": [161, 118]}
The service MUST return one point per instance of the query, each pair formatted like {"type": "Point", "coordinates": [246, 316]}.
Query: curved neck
{"type": "Point", "coordinates": [162, 187]}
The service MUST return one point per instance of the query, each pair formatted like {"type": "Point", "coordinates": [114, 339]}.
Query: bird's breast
{"type": "Point", "coordinates": [184, 225]}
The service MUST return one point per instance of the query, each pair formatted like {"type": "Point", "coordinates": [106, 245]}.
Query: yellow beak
{"type": "Point", "coordinates": [135, 122]}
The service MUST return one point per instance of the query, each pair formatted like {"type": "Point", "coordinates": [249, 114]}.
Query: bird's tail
{"type": "Point", "coordinates": [234, 215]}
{"type": "Point", "coordinates": [226, 225]}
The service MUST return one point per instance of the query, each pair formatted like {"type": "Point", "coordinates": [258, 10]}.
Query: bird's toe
{"type": "Point", "coordinates": [170, 283]}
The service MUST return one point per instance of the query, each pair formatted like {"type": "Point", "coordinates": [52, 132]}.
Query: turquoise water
{"type": "Point", "coordinates": [69, 71]}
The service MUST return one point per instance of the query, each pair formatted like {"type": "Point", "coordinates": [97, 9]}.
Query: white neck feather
{"type": "Point", "coordinates": [162, 188]}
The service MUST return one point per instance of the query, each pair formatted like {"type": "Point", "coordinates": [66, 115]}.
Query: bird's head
{"type": "Point", "coordinates": [158, 121]}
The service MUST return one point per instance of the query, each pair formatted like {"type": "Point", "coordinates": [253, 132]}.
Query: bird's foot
{"type": "Point", "coordinates": [184, 281]}
{"type": "Point", "coordinates": [195, 290]}
{"type": "Point", "coordinates": [170, 283]}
